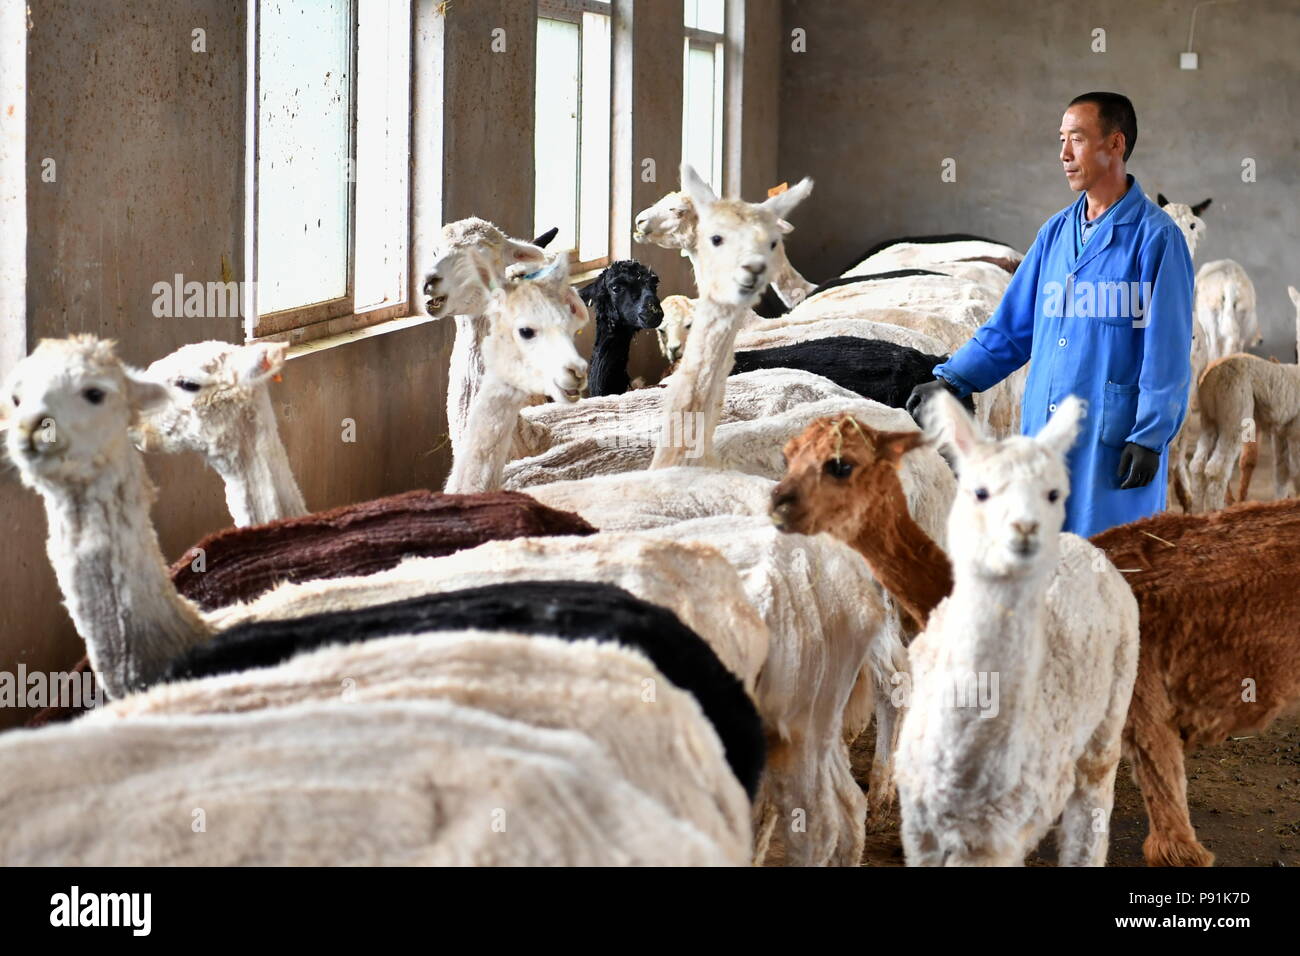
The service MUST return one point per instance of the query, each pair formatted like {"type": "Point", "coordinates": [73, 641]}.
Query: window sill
{"type": "Point", "coordinates": [399, 324]}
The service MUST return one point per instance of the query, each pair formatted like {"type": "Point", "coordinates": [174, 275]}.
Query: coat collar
{"type": "Point", "coordinates": [1128, 209]}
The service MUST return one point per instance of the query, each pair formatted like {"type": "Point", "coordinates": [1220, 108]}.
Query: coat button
{"type": "Point", "coordinates": [1051, 408]}
{"type": "Point", "coordinates": [1061, 342]}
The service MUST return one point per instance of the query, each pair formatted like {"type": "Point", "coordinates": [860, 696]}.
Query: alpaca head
{"type": "Point", "coordinates": [1010, 504]}
{"type": "Point", "coordinates": [737, 239]}
{"type": "Point", "coordinates": [533, 318]}
{"type": "Point", "coordinates": [1188, 219]}
{"type": "Point", "coordinates": [841, 477]}
{"type": "Point", "coordinates": [450, 284]}
{"type": "Point", "coordinates": [679, 313]}
{"type": "Point", "coordinates": [69, 405]}
{"type": "Point", "coordinates": [213, 392]}
{"type": "Point", "coordinates": [626, 296]}
{"type": "Point", "coordinates": [670, 223]}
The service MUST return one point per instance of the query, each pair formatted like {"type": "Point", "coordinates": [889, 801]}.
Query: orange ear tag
{"type": "Point", "coordinates": [778, 189]}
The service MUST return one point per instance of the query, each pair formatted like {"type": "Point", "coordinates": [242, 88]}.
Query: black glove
{"type": "Point", "coordinates": [1139, 463]}
{"type": "Point", "coordinates": [921, 394]}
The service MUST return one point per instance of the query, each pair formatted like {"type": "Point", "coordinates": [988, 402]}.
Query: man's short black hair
{"type": "Point", "coordinates": [1116, 112]}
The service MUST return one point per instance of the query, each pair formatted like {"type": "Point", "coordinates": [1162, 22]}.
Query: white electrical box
{"type": "Point", "coordinates": [1187, 61]}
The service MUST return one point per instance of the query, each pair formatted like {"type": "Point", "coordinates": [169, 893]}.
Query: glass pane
{"type": "Point", "coordinates": [698, 112]}
{"type": "Point", "coordinates": [556, 133]}
{"type": "Point", "coordinates": [706, 14]}
{"type": "Point", "coordinates": [383, 139]}
{"type": "Point", "coordinates": [304, 57]}
{"type": "Point", "coordinates": [593, 232]}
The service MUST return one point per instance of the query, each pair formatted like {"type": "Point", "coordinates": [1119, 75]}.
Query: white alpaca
{"type": "Point", "coordinates": [407, 783]}
{"type": "Point", "coordinates": [219, 405]}
{"type": "Point", "coordinates": [616, 419]}
{"type": "Point", "coordinates": [948, 257]}
{"type": "Point", "coordinates": [984, 769]}
{"type": "Point", "coordinates": [1187, 219]}
{"type": "Point", "coordinates": [668, 751]}
{"type": "Point", "coordinates": [672, 223]}
{"type": "Point", "coordinates": [1225, 309]}
{"type": "Point", "coordinates": [453, 288]}
{"type": "Point", "coordinates": [529, 350]}
{"type": "Point", "coordinates": [72, 403]}
{"type": "Point", "coordinates": [733, 260]}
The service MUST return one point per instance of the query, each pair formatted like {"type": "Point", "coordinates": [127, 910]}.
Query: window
{"type": "Point", "coordinates": [705, 21]}
{"type": "Point", "coordinates": [331, 163]}
{"type": "Point", "coordinates": [572, 131]}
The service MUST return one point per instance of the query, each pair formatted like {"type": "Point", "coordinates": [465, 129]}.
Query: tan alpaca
{"type": "Point", "coordinates": [1242, 396]}
{"type": "Point", "coordinates": [219, 405]}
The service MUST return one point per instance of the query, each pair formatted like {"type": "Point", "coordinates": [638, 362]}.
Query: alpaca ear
{"type": "Point", "coordinates": [785, 227]}
{"type": "Point", "coordinates": [544, 240]}
{"type": "Point", "coordinates": [782, 203]}
{"type": "Point", "coordinates": [516, 251]}
{"type": "Point", "coordinates": [1161, 201]}
{"type": "Point", "coordinates": [950, 425]}
{"type": "Point", "coordinates": [577, 307]}
{"type": "Point", "coordinates": [894, 445]}
{"type": "Point", "coordinates": [695, 188]}
{"type": "Point", "coordinates": [261, 361]}
{"type": "Point", "coordinates": [1063, 427]}
{"type": "Point", "coordinates": [142, 393]}
{"type": "Point", "coordinates": [1200, 207]}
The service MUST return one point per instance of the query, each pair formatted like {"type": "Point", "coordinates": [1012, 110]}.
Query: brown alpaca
{"type": "Point", "coordinates": [1218, 652]}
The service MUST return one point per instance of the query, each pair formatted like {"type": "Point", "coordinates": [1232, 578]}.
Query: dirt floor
{"type": "Point", "coordinates": [1244, 793]}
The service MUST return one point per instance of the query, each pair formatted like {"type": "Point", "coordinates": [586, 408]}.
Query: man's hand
{"type": "Point", "coordinates": [1139, 463]}
{"type": "Point", "coordinates": [921, 394]}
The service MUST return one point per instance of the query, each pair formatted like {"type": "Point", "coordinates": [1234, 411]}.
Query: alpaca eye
{"type": "Point", "coordinates": [527, 333]}
{"type": "Point", "coordinates": [1053, 495]}
{"type": "Point", "coordinates": [773, 244]}
{"type": "Point", "coordinates": [982, 494]}
{"type": "Point", "coordinates": [716, 240]}
{"type": "Point", "coordinates": [838, 468]}
{"type": "Point", "coordinates": [14, 399]}
{"type": "Point", "coordinates": [93, 395]}
{"type": "Point", "coordinates": [1193, 225]}
{"type": "Point", "coordinates": [188, 386]}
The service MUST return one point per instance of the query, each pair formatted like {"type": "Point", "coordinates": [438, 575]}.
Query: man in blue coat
{"type": "Point", "coordinates": [1102, 308]}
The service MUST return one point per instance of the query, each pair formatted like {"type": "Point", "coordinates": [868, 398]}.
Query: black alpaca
{"type": "Point", "coordinates": [573, 610]}
{"type": "Point", "coordinates": [623, 300]}
{"type": "Point", "coordinates": [881, 371]}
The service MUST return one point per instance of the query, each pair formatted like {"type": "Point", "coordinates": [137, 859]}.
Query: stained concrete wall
{"type": "Point", "coordinates": [148, 142]}
{"type": "Point", "coordinates": [888, 88]}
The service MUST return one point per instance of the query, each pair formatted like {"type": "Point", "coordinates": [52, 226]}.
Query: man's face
{"type": "Point", "coordinates": [1086, 153]}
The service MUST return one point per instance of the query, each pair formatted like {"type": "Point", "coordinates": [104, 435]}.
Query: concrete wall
{"type": "Point", "coordinates": [148, 143]}
{"type": "Point", "coordinates": [888, 88]}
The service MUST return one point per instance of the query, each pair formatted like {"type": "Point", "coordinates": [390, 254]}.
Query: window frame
{"type": "Point", "coordinates": [571, 11]}
{"type": "Point", "coordinates": [335, 316]}
{"type": "Point", "coordinates": [719, 44]}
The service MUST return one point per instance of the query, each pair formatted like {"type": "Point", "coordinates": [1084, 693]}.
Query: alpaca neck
{"type": "Point", "coordinates": [489, 435]}
{"type": "Point", "coordinates": [464, 376]}
{"type": "Point", "coordinates": [791, 287]}
{"type": "Point", "coordinates": [992, 629]}
{"type": "Point", "coordinates": [110, 568]}
{"type": "Point", "coordinates": [260, 486]}
{"type": "Point", "coordinates": [607, 371]}
{"type": "Point", "coordinates": [905, 559]}
{"type": "Point", "coordinates": [693, 402]}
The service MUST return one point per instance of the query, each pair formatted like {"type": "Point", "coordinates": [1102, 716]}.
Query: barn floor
{"type": "Point", "coordinates": [1244, 794]}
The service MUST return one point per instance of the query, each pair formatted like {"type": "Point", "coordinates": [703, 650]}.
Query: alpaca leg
{"type": "Point", "coordinates": [1283, 474]}
{"type": "Point", "coordinates": [880, 786]}
{"type": "Point", "coordinates": [1083, 836]}
{"type": "Point", "coordinates": [1218, 472]}
{"type": "Point", "coordinates": [1196, 471]}
{"type": "Point", "coordinates": [1249, 459]}
{"type": "Point", "coordinates": [1156, 751]}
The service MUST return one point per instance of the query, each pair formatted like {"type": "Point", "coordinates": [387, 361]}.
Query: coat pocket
{"type": "Point", "coordinates": [1118, 414]}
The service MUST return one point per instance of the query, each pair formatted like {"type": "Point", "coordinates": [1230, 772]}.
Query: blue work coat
{"type": "Point", "coordinates": [1113, 325]}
